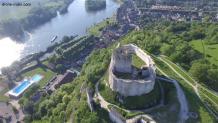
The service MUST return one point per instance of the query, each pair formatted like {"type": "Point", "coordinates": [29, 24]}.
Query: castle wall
{"type": "Point", "coordinates": [116, 117]}
{"type": "Point", "coordinates": [131, 87]}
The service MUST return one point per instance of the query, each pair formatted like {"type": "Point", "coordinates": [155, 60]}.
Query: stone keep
{"type": "Point", "coordinates": [121, 61]}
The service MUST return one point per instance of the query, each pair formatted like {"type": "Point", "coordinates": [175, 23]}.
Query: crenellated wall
{"type": "Point", "coordinates": [121, 62]}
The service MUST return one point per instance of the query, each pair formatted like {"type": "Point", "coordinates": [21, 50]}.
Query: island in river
{"type": "Point", "coordinates": [94, 5]}
{"type": "Point", "coordinates": [15, 20]}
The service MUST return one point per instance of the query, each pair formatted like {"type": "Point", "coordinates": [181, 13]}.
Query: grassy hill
{"type": "Point", "coordinates": [168, 39]}
{"type": "Point", "coordinates": [210, 50]}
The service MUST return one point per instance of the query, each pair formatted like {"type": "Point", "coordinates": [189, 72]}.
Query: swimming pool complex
{"type": "Point", "coordinates": [26, 83]}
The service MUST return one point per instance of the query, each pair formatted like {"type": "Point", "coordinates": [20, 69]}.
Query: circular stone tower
{"type": "Point", "coordinates": [126, 79]}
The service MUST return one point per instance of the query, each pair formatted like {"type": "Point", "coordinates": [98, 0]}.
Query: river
{"type": "Point", "coordinates": [75, 21]}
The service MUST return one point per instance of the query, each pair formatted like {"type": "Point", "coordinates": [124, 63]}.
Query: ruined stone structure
{"type": "Point", "coordinates": [140, 81]}
{"type": "Point", "coordinates": [116, 117]}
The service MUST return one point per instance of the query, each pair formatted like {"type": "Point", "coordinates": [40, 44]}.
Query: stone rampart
{"type": "Point", "coordinates": [121, 62]}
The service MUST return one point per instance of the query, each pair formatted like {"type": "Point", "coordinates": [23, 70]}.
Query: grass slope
{"type": "Point", "coordinates": [195, 104]}
{"type": "Point", "coordinates": [211, 50]}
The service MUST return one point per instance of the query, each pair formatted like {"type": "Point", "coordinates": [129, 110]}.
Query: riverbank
{"type": "Point", "coordinates": [97, 28]}
{"type": "Point", "coordinates": [31, 17]}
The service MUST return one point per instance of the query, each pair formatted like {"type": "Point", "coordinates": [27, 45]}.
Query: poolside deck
{"type": "Point", "coordinates": [17, 91]}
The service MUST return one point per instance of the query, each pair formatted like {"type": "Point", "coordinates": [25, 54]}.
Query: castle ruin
{"type": "Point", "coordinates": [125, 78]}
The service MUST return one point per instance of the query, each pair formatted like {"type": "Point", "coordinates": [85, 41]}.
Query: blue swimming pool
{"type": "Point", "coordinates": [21, 87]}
{"type": "Point", "coordinates": [24, 85]}
{"type": "Point", "coordinates": [36, 78]}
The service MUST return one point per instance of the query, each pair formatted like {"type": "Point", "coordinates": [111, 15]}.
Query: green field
{"type": "Point", "coordinates": [46, 73]}
{"type": "Point", "coordinates": [210, 50]}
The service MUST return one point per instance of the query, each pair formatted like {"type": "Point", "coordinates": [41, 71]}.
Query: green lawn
{"type": "Point", "coordinates": [46, 73]}
{"type": "Point", "coordinates": [137, 62]}
{"type": "Point", "coordinates": [213, 97]}
{"type": "Point", "coordinates": [211, 50]}
{"type": "Point", "coordinates": [179, 70]}
{"type": "Point", "coordinates": [46, 62]}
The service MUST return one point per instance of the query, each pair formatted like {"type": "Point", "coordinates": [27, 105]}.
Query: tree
{"type": "Point", "coordinates": [213, 75]}
{"type": "Point", "coordinates": [65, 39]}
{"type": "Point", "coordinates": [198, 34]}
{"type": "Point", "coordinates": [60, 68]}
{"type": "Point", "coordinates": [28, 107]}
{"type": "Point", "coordinates": [199, 71]}
{"type": "Point", "coordinates": [213, 78]}
{"type": "Point", "coordinates": [166, 49]}
{"type": "Point", "coordinates": [43, 108]}
{"type": "Point", "coordinates": [66, 99]}
{"type": "Point", "coordinates": [52, 59]}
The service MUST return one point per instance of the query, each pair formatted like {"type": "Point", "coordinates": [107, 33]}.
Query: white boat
{"type": "Point", "coordinates": [54, 38]}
